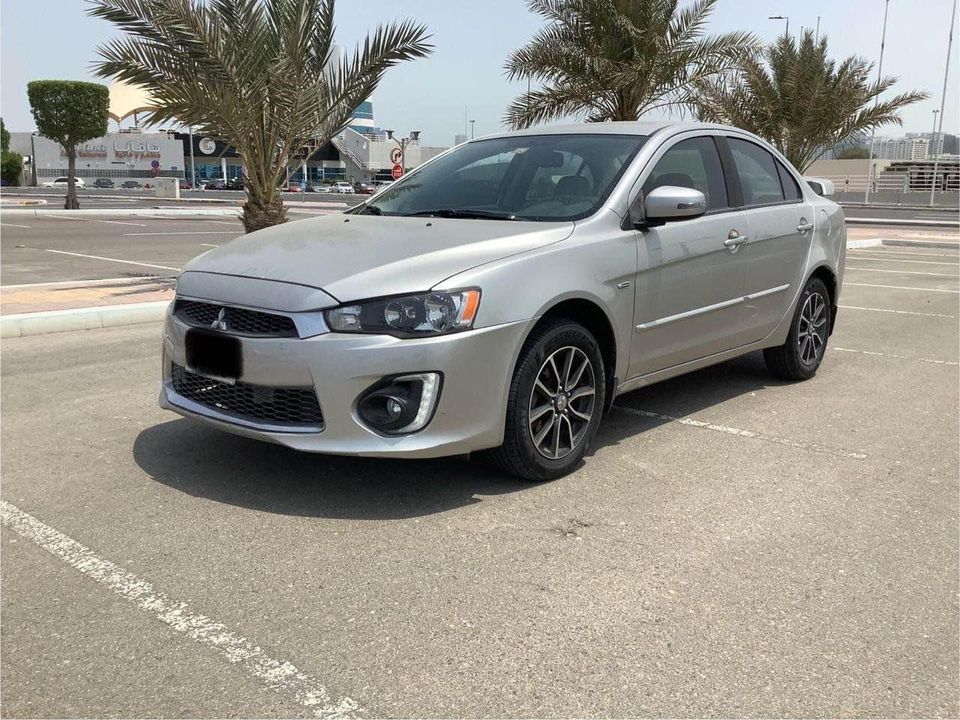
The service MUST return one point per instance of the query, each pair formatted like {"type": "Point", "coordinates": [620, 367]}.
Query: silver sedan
{"type": "Point", "coordinates": [499, 297]}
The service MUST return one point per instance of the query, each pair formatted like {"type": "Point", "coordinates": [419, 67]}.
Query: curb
{"type": "Point", "coordinates": [54, 321]}
{"type": "Point", "coordinates": [860, 244]}
{"type": "Point", "coordinates": [898, 221]}
{"type": "Point", "coordinates": [947, 245]}
{"type": "Point", "coordinates": [128, 212]}
{"type": "Point", "coordinates": [888, 206]}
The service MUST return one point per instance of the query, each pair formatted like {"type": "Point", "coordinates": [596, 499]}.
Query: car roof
{"type": "Point", "coordinates": [645, 128]}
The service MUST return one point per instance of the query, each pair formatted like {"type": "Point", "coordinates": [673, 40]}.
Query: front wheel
{"type": "Point", "coordinates": [800, 356]}
{"type": "Point", "coordinates": [554, 404]}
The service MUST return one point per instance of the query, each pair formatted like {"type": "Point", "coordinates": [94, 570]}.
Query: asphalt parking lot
{"type": "Point", "coordinates": [732, 546]}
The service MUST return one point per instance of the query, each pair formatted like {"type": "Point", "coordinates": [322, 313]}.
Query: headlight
{"type": "Point", "coordinates": [409, 316]}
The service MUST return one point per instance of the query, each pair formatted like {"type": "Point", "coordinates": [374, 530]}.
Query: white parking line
{"type": "Point", "coordinates": [183, 232]}
{"type": "Point", "coordinates": [25, 227]}
{"type": "Point", "coordinates": [125, 262]}
{"type": "Point", "coordinates": [903, 272]}
{"type": "Point", "coordinates": [898, 312]}
{"type": "Point", "coordinates": [858, 258]}
{"type": "Point", "coordinates": [896, 357]}
{"type": "Point", "coordinates": [900, 287]}
{"type": "Point", "coordinates": [208, 245]}
{"type": "Point", "coordinates": [278, 675]}
{"type": "Point", "coordinates": [789, 442]}
{"type": "Point", "coordinates": [121, 222]}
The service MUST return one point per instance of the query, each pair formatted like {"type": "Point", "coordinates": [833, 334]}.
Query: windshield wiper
{"type": "Point", "coordinates": [467, 214]}
{"type": "Point", "coordinates": [370, 210]}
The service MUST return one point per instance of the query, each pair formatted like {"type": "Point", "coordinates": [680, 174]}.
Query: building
{"type": "Point", "coordinates": [119, 156]}
{"type": "Point", "coordinates": [901, 148]}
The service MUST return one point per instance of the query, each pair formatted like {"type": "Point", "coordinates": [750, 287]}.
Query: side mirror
{"type": "Point", "coordinates": [821, 186]}
{"type": "Point", "coordinates": [668, 202]}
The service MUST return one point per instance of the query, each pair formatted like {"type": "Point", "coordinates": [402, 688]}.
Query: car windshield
{"type": "Point", "coordinates": [525, 177]}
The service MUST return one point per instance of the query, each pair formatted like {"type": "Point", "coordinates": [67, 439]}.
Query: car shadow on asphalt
{"type": "Point", "coordinates": [201, 461]}
{"type": "Point", "coordinates": [684, 396]}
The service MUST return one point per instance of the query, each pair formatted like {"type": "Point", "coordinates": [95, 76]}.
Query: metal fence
{"type": "Point", "coordinates": [906, 188]}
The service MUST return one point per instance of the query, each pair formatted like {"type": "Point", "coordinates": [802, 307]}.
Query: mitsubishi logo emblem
{"type": "Point", "coordinates": [221, 322]}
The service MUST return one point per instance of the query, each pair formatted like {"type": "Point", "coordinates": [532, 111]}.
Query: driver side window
{"type": "Point", "coordinates": [693, 163]}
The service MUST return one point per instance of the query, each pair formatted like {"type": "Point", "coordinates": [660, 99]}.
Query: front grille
{"type": "Point", "coordinates": [254, 403]}
{"type": "Point", "coordinates": [239, 321]}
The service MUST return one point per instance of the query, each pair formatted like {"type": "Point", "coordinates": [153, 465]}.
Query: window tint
{"type": "Point", "coordinates": [523, 177]}
{"type": "Point", "coordinates": [791, 191]}
{"type": "Point", "coordinates": [545, 180]}
{"type": "Point", "coordinates": [695, 164]}
{"type": "Point", "coordinates": [758, 173]}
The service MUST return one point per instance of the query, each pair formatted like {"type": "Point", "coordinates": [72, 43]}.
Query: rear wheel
{"type": "Point", "coordinates": [800, 356]}
{"type": "Point", "coordinates": [555, 402]}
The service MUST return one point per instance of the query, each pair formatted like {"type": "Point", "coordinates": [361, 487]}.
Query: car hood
{"type": "Point", "coordinates": [351, 257]}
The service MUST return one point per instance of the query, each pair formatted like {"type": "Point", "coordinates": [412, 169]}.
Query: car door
{"type": "Point", "coordinates": [780, 230]}
{"type": "Point", "coordinates": [690, 277]}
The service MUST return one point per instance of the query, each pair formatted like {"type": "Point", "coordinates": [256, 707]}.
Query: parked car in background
{"type": "Point", "coordinates": [293, 187]}
{"type": "Point", "coordinates": [342, 187]}
{"type": "Point", "coordinates": [103, 183]}
{"type": "Point", "coordinates": [362, 188]}
{"type": "Point", "coordinates": [235, 183]}
{"type": "Point", "coordinates": [379, 185]}
{"type": "Point", "coordinates": [462, 310]}
{"type": "Point", "coordinates": [215, 185]}
{"type": "Point", "coordinates": [130, 184]}
{"type": "Point", "coordinates": [185, 184]}
{"type": "Point", "coordinates": [61, 182]}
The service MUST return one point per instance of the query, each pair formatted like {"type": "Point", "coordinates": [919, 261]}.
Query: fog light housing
{"type": "Point", "coordinates": [401, 404]}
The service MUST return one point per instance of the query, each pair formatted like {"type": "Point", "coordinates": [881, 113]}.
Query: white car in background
{"type": "Point", "coordinates": [342, 187]}
{"type": "Point", "coordinates": [62, 182]}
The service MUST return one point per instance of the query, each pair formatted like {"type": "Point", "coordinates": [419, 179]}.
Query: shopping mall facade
{"type": "Point", "coordinates": [360, 151]}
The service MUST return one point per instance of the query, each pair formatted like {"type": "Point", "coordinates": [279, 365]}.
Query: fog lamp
{"type": "Point", "coordinates": [401, 404]}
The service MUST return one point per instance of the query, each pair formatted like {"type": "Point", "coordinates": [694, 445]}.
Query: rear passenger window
{"type": "Point", "coordinates": [757, 169]}
{"type": "Point", "coordinates": [695, 164]}
{"type": "Point", "coordinates": [791, 191]}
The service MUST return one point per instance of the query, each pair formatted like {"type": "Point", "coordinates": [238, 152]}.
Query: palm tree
{"type": "Point", "coordinates": [263, 75]}
{"type": "Point", "coordinates": [800, 100]}
{"type": "Point", "coordinates": [617, 59]}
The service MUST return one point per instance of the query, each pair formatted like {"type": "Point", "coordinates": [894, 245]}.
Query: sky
{"type": "Point", "coordinates": [55, 39]}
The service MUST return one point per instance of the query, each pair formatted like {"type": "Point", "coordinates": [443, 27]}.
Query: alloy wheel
{"type": "Point", "coordinates": [812, 331]}
{"type": "Point", "coordinates": [562, 402]}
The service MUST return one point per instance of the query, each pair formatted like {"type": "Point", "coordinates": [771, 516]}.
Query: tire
{"type": "Point", "coordinates": [531, 450]}
{"type": "Point", "coordinates": [800, 356]}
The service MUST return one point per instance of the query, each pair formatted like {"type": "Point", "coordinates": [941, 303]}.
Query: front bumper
{"type": "Point", "coordinates": [476, 365]}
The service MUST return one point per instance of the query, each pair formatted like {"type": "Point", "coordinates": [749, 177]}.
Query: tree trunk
{"type": "Point", "coordinates": [71, 202]}
{"type": "Point", "coordinates": [262, 210]}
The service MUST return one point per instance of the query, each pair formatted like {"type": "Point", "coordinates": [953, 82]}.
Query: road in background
{"type": "Point", "coordinates": [732, 546]}
{"type": "Point", "coordinates": [94, 198]}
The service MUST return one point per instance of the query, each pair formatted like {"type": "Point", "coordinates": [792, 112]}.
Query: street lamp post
{"type": "Point", "coordinates": [933, 136]}
{"type": "Point", "coordinates": [471, 128]}
{"type": "Point", "coordinates": [782, 17]}
{"type": "Point", "coordinates": [873, 131]}
{"type": "Point", "coordinates": [943, 98]}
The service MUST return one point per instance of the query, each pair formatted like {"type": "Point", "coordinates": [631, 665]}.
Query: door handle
{"type": "Point", "coordinates": [734, 240]}
{"type": "Point", "coordinates": [804, 225]}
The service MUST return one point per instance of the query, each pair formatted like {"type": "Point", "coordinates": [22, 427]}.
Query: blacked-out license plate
{"type": "Point", "coordinates": [213, 353]}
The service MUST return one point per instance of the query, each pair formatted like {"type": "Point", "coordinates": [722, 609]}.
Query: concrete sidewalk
{"type": "Point", "coordinates": [58, 307]}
